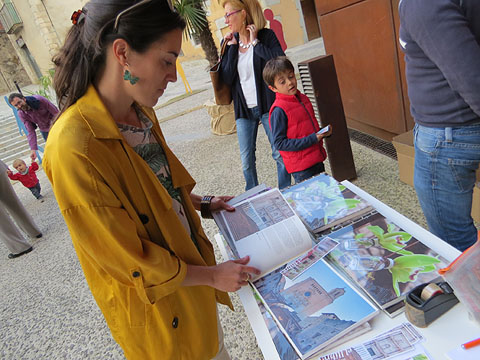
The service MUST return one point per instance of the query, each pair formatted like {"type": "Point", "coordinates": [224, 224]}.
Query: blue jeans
{"type": "Point", "coordinates": [247, 129]}
{"type": "Point", "coordinates": [445, 163]}
{"type": "Point", "coordinates": [44, 134]}
{"type": "Point", "coordinates": [36, 190]}
{"type": "Point", "coordinates": [316, 169]}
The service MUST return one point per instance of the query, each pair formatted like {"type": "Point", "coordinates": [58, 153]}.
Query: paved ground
{"type": "Point", "coordinates": [46, 309]}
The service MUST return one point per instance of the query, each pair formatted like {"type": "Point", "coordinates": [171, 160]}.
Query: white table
{"type": "Point", "coordinates": [449, 331]}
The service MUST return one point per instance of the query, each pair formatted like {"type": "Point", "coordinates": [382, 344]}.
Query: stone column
{"type": "Point", "coordinates": [45, 26]}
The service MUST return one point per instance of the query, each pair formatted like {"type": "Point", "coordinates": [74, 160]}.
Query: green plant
{"type": "Point", "coordinates": [195, 15]}
{"type": "Point", "coordinates": [407, 267]}
{"type": "Point", "coordinates": [394, 241]}
{"type": "Point", "coordinates": [44, 85]}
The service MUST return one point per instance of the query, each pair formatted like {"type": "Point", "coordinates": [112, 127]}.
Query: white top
{"type": "Point", "coordinates": [247, 77]}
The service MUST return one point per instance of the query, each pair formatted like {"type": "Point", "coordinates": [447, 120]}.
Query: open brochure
{"type": "Point", "coordinates": [265, 228]}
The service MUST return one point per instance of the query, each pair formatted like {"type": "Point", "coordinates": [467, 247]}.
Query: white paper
{"type": "Point", "coordinates": [266, 229]}
{"type": "Point", "coordinates": [460, 353]}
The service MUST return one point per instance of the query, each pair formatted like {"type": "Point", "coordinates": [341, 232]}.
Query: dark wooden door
{"type": "Point", "coordinates": [362, 37]}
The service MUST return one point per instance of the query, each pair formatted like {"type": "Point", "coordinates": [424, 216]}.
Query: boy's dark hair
{"type": "Point", "coordinates": [276, 66]}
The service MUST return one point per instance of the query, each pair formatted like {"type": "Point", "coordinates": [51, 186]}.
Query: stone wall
{"type": "Point", "coordinates": [10, 67]}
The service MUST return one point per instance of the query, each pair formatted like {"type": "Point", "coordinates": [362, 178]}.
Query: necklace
{"type": "Point", "coordinates": [243, 45]}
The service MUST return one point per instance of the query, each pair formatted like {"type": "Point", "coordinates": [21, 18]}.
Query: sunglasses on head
{"type": "Point", "coordinates": [135, 6]}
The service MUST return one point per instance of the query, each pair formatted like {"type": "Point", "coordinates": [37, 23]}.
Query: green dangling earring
{"type": "Point", "coordinates": [128, 76]}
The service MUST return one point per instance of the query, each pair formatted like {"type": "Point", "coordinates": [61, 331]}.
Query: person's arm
{"type": "Point", "coordinates": [32, 135]}
{"type": "Point", "coordinates": [442, 31]}
{"type": "Point", "coordinates": [268, 47]}
{"type": "Point", "coordinates": [279, 125]}
{"type": "Point", "coordinates": [228, 65]}
{"type": "Point", "coordinates": [13, 176]}
{"type": "Point", "coordinates": [228, 276]}
{"type": "Point", "coordinates": [218, 202]}
{"type": "Point", "coordinates": [104, 232]}
{"type": "Point", "coordinates": [34, 166]}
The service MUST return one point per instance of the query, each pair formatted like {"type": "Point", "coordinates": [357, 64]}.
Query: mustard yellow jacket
{"type": "Point", "coordinates": [130, 243]}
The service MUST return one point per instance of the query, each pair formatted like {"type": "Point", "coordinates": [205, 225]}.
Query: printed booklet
{"type": "Point", "coordinates": [403, 342]}
{"type": "Point", "coordinates": [322, 202]}
{"type": "Point", "coordinates": [383, 260]}
{"type": "Point", "coordinates": [315, 309]}
{"type": "Point", "coordinates": [282, 345]}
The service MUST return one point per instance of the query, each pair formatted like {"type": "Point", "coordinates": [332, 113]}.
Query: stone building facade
{"type": "Point", "coordinates": [43, 25]}
{"type": "Point", "coordinates": [36, 29]}
{"type": "Point", "coordinates": [11, 68]}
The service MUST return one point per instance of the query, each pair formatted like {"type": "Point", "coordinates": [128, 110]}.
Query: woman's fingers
{"type": "Point", "coordinates": [231, 275]}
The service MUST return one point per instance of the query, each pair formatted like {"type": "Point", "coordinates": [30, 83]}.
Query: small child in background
{"type": "Point", "coordinates": [295, 129]}
{"type": "Point", "coordinates": [27, 177]}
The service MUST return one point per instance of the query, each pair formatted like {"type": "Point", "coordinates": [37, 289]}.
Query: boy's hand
{"type": "Point", "coordinates": [9, 172]}
{"type": "Point", "coordinates": [33, 156]}
{"type": "Point", "coordinates": [325, 134]}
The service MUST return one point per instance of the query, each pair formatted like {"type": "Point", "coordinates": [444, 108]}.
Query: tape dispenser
{"type": "Point", "coordinates": [426, 302]}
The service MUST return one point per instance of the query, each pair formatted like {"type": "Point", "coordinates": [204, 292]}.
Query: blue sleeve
{"type": "Point", "coordinates": [441, 30]}
{"type": "Point", "coordinates": [279, 124]}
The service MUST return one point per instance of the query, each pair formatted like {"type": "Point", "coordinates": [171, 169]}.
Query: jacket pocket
{"type": "Point", "coordinates": [136, 309]}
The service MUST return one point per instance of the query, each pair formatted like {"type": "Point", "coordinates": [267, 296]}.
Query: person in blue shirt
{"type": "Point", "coordinates": [441, 42]}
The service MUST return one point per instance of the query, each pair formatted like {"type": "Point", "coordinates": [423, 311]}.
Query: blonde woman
{"type": "Point", "coordinates": [249, 46]}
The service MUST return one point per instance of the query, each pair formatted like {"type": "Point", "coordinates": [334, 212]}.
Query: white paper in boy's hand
{"type": "Point", "coordinates": [324, 130]}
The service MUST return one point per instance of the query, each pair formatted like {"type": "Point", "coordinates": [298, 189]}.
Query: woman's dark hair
{"type": "Point", "coordinates": [83, 53]}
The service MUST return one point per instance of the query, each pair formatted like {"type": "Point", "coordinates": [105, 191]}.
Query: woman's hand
{"type": "Point", "coordinates": [220, 203]}
{"type": "Point", "coordinates": [253, 32]}
{"type": "Point", "coordinates": [232, 275]}
{"type": "Point", "coordinates": [230, 39]}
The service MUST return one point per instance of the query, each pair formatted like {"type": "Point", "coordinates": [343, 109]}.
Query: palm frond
{"type": "Point", "coordinates": [194, 14]}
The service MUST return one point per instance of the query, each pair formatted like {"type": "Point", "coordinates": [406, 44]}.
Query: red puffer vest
{"type": "Point", "coordinates": [301, 123]}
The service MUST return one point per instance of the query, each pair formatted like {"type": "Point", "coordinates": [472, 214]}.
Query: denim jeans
{"type": "Point", "coordinates": [445, 163]}
{"type": "Point", "coordinates": [44, 134]}
{"type": "Point", "coordinates": [36, 190]}
{"type": "Point", "coordinates": [247, 129]}
{"type": "Point", "coordinates": [316, 169]}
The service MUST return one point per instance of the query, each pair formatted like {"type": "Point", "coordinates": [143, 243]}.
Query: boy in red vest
{"type": "Point", "coordinates": [27, 177]}
{"type": "Point", "coordinates": [294, 127]}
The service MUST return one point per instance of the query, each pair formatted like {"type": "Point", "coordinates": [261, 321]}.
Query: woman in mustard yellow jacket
{"type": "Point", "coordinates": [124, 195]}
